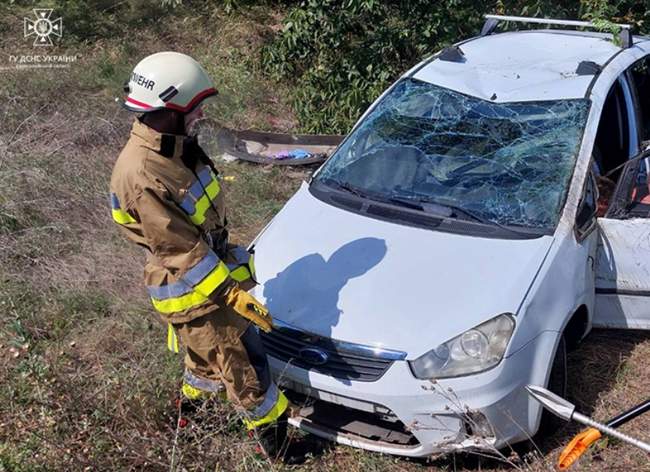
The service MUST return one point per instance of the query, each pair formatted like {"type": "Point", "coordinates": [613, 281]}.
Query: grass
{"type": "Point", "coordinates": [86, 380]}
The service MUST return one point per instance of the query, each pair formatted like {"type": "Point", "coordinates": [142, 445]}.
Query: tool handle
{"type": "Point", "coordinates": [583, 440]}
{"type": "Point", "coordinates": [611, 431]}
{"type": "Point", "coordinates": [577, 447]}
{"type": "Point", "coordinates": [629, 414]}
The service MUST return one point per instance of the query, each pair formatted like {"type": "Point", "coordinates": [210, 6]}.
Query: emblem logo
{"type": "Point", "coordinates": [313, 356]}
{"type": "Point", "coordinates": [43, 27]}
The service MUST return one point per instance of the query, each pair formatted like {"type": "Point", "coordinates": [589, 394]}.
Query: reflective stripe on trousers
{"type": "Point", "coordinates": [193, 288]}
{"type": "Point", "coordinates": [202, 383]}
{"type": "Point", "coordinates": [274, 403]}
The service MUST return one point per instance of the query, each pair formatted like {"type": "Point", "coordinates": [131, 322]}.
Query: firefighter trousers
{"type": "Point", "coordinates": [225, 349]}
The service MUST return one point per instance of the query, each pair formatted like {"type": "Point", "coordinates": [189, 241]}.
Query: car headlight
{"type": "Point", "coordinates": [476, 350]}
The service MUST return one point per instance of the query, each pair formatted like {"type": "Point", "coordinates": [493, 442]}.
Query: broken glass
{"type": "Point", "coordinates": [509, 163]}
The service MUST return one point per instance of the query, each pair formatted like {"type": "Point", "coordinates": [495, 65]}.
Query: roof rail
{"type": "Point", "coordinates": [492, 21]}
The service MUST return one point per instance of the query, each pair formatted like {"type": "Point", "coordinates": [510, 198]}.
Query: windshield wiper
{"type": "Point", "coordinates": [346, 187]}
{"type": "Point", "coordinates": [405, 202]}
{"type": "Point", "coordinates": [422, 205]}
{"type": "Point", "coordinates": [453, 211]}
{"type": "Point", "coordinates": [480, 219]}
{"type": "Point", "coordinates": [373, 196]}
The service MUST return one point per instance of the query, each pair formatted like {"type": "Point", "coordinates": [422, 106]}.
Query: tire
{"type": "Point", "coordinates": [557, 383]}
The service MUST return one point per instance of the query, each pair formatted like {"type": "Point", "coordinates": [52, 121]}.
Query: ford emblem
{"type": "Point", "coordinates": [313, 356]}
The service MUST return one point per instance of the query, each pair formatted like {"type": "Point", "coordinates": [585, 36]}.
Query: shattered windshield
{"type": "Point", "coordinates": [505, 163]}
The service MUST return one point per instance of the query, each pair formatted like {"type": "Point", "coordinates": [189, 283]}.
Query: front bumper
{"type": "Point", "coordinates": [484, 411]}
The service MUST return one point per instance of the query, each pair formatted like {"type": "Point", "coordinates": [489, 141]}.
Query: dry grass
{"type": "Point", "coordinates": [86, 381]}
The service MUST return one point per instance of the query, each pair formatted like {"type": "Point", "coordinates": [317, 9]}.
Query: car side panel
{"type": "Point", "coordinates": [565, 282]}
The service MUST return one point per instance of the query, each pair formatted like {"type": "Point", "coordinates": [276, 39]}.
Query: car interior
{"type": "Point", "coordinates": [627, 186]}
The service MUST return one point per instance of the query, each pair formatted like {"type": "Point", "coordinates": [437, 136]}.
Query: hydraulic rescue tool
{"type": "Point", "coordinates": [584, 439]}
{"type": "Point", "coordinates": [567, 411]}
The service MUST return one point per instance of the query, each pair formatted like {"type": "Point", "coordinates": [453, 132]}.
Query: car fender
{"type": "Point", "coordinates": [565, 283]}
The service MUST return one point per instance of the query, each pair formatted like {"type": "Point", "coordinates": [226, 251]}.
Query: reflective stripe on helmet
{"type": "Point", "coordinates": [193, 288]}
{"type": "Point", "coordinates": [274, 404]}
{"type": "Point", "coordinates": [136, 102]}
{"type": "Point", "coordinates": [195, 101]}
{"type": "Point", "coordinates": [120, 216]}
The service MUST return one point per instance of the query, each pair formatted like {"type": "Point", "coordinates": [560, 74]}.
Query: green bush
{"type": "Point", "coordinates": [340, 54]}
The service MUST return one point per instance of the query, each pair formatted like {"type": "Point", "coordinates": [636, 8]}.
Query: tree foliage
{"type": "Point", "coordinates": [340, 54]}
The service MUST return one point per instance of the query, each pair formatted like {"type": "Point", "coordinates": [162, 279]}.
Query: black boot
{"type": "Point", "coordinates": [300, 450]}
{"type": "Point", "coordinates": [273, 438]}
{"type": "Point", "coordinates": [184, 411]}
{"type": "Point", "coordinates": [276, 444]}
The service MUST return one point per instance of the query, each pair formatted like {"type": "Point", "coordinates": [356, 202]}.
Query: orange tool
{"type": "Point", "coordinates": [584, 439]}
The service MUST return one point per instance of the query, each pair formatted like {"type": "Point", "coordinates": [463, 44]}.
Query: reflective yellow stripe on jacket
{"type": "Point", "coordinates": [199, 196]}
{"type": "Point", "coordinates": [193, 288]}
{"type": "Point", "coordinates": [244, 268]}
{"type": "Point", "coordinates": [120, 216]}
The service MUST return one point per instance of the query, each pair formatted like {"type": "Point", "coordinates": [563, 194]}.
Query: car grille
{"type": "Point", "coordinates": [328, 356]}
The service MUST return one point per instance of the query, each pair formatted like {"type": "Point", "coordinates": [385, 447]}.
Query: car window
{"type": "Point", "coordinates": [640, 82]}
{"type": "Point", "coordinates": [626, 192]}
{"type": "Point", "coordinates": [639, 194]}
{"type": "Point", "coordinates": [612, 144]}
{"type": "Point", "coordinates": [509, 163]}
{"type": "Point", "coordinates": [631, 197]}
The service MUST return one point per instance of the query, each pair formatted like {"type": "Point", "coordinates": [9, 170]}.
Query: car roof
{"type": "Point", "coordinates": [523, 65]}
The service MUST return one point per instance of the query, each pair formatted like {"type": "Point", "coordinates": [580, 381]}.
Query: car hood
{"type": "Point", "coordinates": [357, 279]}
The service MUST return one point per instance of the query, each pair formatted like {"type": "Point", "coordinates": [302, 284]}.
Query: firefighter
{"type": "Point", "coordinates": [166, 197]}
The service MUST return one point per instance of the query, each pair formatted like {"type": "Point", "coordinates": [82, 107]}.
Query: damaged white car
{"type": "Point", "coordinates": [486, 211]}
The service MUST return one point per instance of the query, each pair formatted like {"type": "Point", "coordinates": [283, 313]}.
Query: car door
{"type": "Point", "coordinates": [623, 255]}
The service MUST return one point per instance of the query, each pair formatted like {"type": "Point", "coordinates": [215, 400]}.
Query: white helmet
{"type": "Point", "coordinates": [167, 80]}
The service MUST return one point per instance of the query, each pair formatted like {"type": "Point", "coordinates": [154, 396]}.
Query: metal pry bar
{"type": "Point", "coordinates": [567, 411]}
{"type": "Point", "coordinates": [492, 21]}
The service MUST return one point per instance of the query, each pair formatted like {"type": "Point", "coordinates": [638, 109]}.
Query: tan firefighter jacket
{"type": "Point", "coordinates": [167, 198]}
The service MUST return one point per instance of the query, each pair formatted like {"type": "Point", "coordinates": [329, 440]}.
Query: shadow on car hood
{"type": "Point", "coordinates": [353, 278]}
